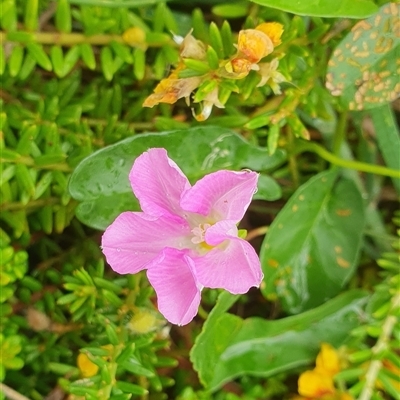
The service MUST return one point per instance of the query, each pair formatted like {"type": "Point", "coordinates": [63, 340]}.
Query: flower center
{"type": "Point", "coordinates": [199, 232]}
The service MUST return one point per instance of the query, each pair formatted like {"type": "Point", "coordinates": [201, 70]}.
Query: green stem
{"type": "Point", "coordinates": [340, 133]}
{"type": "Point", "coordinates": [203, 313]}
{"type": "Point", "coordinates": [294, 171]}
{"type": "Point", "coordinates": [333, 159]}
{"type": "Point", "coordinates": [30, 162]}
{"type": "Point", "coordinates": [72, 39]}
{"type": "Point", "coordinates": [382, 344]}
{"type": "Point", "coordinates": [32, 205]}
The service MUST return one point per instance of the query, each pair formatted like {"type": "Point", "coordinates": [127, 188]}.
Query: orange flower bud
{"type": "Point", "coordinates": [254, 44]}
{"type": "Point", "coordinates": [239, 67]}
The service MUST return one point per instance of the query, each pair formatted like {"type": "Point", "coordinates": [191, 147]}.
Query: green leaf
{"type": "Point", "coordinates": [101, 182]}
{"type": "Point", "coordinates": [362, 70]}
{"type": "Point", "coordinates": [63, 16]}
{"type": "Point", "coordinates": [15, 60]}
{"type": "Point", "coordinates": [107, 63]}
{"type": "Point", "coordinates": [139, 63]}
{"type": "Point", "coordinates": [39, 55]}
{"type": "Point", "coordinates": [268, 189]}
{"type": "Point", "coordinates": [218, 332]}
{"type": "Point", "coordinates": [236, 10]}
{"type": "Point", "coordinates": [71, 59]}
{"type": "Point", "coordinates": [27, 67]}
{"type": "Point", "coordinates": [388, 137]}
{"type": "Point", "coordinates": [312, 246]}
{"type": "Point", "coordinates": [116, 3]}
{"type": "Point", "coordinates": [323, 8]}
{"type": "Point", "coordinates": [131, 388]}
{"type": "Point", "coordinates": [31, 14]}
{"type": "Point", "coordinates": [229, 347]}
{"type": "Point", "coordinates": [87, 55]}
{"type": "Point", "coordinates": [57, 58]}
{"type": "Point", "coordinates": [216, 40]}
{"type": "Point", "coordinates": [8, 15]}
{"type": "Point", "coordinates": [2, 60]}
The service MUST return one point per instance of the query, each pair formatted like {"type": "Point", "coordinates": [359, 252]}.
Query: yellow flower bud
{"type": "Point", "coordinates": [134, 36]}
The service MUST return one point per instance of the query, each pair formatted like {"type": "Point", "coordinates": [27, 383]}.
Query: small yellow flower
{"type": "Point", "coordinates": [273, 30]}
{"type": "Point", "coordinates": [327, 360]}
{"type": "Point", "coordinates": [170, 89]}
{"type": "Point", "coordinates": [313, 384]}
{"type": "Point", "coordinates": [318, 383]}
{"type": "Point", "coordinates": [254, 44]}
{"type": "Point", "coordinates": [86, 366]}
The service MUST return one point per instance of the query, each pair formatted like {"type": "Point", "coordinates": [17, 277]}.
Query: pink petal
{"type": "Point", "coordinates": [233, 265]}
{"type": "Point", "coordinates": [221, 195]}
{"type": "Point", "coordinates": [133, 240]}
{"type": "Point", "coordinates": [178, 293]}
{"type": "Point", "coordinates": [220, 231]}
{"type": "Point", "coordinates": [158, 183]}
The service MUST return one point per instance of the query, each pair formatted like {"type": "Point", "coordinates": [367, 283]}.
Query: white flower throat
{"type": "Point", "coordinates": [199, 233]}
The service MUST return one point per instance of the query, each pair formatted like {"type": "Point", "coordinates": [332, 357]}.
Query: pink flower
{"type": "Point", "coordinates": [186, 237]}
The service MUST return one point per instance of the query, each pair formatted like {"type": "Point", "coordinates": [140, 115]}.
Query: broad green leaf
{"type": "Point", "coordinates": [116, 3]}
{"type": "Point", "coordinates": [324, 8]}
{"type": "Point", "coordinates": [218, 332]}
{"type": "Point", "coordinates": [101, 182]}
{"type": "Point", "coordinates": [312, 246]}
{"type": "Point", "coordinates": [388, 137]}
{"type": "Point", "coordinates": [268, 189]}
{"type": "Point", "coordinates": [362, 70]}
{"type": "Point", "coordinates": [229, 346]}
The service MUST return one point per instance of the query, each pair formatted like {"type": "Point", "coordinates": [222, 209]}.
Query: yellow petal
{"type": "Point", "coordinates": [87, 367]}
{"type": "Point", "coordinates": [314, 384]}
{"type": "Point", "coordinates": [345, 396]}
{"type": "Point", "coordinates": [273, 30]}
{"type": "Point", "coordinates": [328, 360]}
{"type": "Point", "coordinates": [169, 90]}
{"type": "Point", "coordinates": [254, 44]}
{"type": "Point", "coordinates": [238, 68]}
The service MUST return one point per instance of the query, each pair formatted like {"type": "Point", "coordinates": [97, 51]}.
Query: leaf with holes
{"type": "Point", "coordinates": [101, 184]}
{"type": "Point", "coordinates": [363, 70]}
{"type": "Point", "coordinates": [312, 247]}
